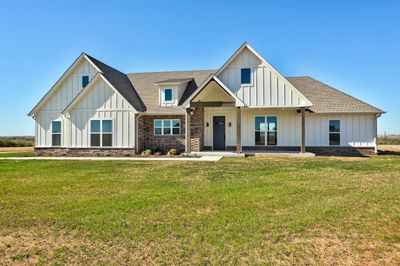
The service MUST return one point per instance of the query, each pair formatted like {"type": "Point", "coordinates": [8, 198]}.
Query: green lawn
{"type": "Point", "coordinates": [235, 211]}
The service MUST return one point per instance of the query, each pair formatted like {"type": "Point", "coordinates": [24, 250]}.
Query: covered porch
{"type": "Point", "coordinates": [217, 121]}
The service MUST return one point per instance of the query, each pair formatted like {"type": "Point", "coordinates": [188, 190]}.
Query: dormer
{"type": "Point", "coordinates": [171, 90]}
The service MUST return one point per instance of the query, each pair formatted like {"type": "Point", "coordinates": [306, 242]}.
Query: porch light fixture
{"type": "Point", "coordinates": [207, 124]}
{"type": "Point", "coordinates": [191, 111]}
{"type": "Point", "coordinates": [230, 124]}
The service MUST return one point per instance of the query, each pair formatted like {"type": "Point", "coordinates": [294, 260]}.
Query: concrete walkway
{"type": "Point", "coordinates": [202, 158]}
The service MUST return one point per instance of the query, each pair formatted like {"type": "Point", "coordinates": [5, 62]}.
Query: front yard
{"type": "Point", "coordinates": [235, 211]}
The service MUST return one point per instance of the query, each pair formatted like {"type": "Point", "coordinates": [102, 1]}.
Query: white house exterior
{"type": "Point", "coordinates": [246, 105]}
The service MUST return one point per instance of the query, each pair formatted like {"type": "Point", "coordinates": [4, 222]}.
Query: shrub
{"type": "Point", "coordinates": [14, 143]}
{"type": "Point", "coordinates": [147, 152]}
{"type": "Point", "coordinates": [172, 152]}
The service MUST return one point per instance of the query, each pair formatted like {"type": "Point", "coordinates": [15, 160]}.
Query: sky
{"type": "Point", "coordinates": [351, 45]}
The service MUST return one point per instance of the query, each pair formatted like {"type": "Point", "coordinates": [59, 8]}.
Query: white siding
{"type": "Point", "coordinates": [177, 92]}
{"type": "Point", "coordinates": [267, 89]}
{"type": "Point", "coordinates": [357, 130]}
{"type": "Point", "coordinates": [102, 102]}
{"type": "Point", "coordinates": [288, 126]}
{"type": "Point", "coordinates": [62, 96]}
{"type": "Point", "coordinates": [230, 131]}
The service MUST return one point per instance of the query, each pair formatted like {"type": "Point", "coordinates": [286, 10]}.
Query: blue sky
{"type": "Point", "coordinates": [351, 45]}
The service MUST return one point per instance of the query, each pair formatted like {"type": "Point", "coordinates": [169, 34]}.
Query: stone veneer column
{"type": "Point", "coordinates": [197, 129]}
{"type": "Point", "coordinates": [188, 144]}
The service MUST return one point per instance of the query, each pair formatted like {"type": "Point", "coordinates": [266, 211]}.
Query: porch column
{"type": "Point", "coordinates": [238, 130]}
{"type": "Point", "coordinates": [187, 131]}
{"type": "Point", "coordinates": [303, 131]}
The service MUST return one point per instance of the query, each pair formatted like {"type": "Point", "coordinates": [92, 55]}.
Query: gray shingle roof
{"type": "Point", "coordinates": [141, 91]}
{"type": "Point", "coordinates": [121, 83]}
{"type": "Point", "coordinates": [326, 99]}
{"type": "Point", "coordinates": [174, 81]}
{"type": "Point", "coordinates": [148, 91]}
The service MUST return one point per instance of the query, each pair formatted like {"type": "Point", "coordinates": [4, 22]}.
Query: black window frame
{"type": "Point", "coordinates": [333, 132]}
{"type": "Point", "coordinates": [263, 134]}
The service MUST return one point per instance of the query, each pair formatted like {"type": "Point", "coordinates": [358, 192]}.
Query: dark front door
{"type": "Point", "coordinates": [219, 132]}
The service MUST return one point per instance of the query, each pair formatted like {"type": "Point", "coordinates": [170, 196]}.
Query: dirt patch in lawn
{"type": "Point", "coordinates": [15, 149]}
{"type": "Point", "coordinates": [389, 149]}
{"type": "Point", "coordinates": [45, 246]}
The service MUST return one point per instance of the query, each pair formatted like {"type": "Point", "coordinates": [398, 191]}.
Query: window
{"type": "Point", "coordinates": [334, 132]}
{"type": "Point", "coordinates": [167, 127]}
{"type": "Point", "coordinates": [245, 75]}
{"type": "Point", "coordinates": [85, 81]}
{"type": "Point", "coordinates": [101, 133]}
{"type": "Point", "coordinates": [260, 130]}
{"type": "Point", "coordinates": [56, 133]}
{"type": "Point", "coordinates": [266, 130]}
{"type": "Point", "coordinates": [167, 95]}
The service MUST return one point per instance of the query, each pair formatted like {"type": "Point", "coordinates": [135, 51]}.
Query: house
{"type": "Point", "coordinates": [246, 105]}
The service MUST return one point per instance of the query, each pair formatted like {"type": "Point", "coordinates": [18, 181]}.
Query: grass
{"type": "Point", "coordinates": [235, 211]}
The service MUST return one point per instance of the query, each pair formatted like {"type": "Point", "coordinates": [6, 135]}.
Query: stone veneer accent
{"type": "Point", "coordinates": [85, 152]}
{"type": "Point", "coordinates": [197, 129]}
{"type": "Point", "coordinates": [147, 139]}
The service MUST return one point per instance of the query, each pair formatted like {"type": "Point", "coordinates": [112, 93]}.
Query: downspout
{"type": "Point", "coordinates": [67, 131]}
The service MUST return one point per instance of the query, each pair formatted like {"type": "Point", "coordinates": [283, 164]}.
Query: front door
{"type": "Point", "coordinates": [219, 132]}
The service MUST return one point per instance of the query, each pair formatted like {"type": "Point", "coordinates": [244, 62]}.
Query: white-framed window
{"type": "Point", "coordinates": [168, 95]}
{"type": "Point", "coordinates": [101, 131]}
{"type": "Point", "coordinates": [266, 130]}
{"type": "Point", "coordinates": [56, 133]}
{"type": "Point", "coordinates": [245, 75]}
{"type": "Point", "coordinates": [85, 81]}
{"type": "Point", "coordinates": [167, 127]}
{"type": "Point", "coordinates": [334, 132]}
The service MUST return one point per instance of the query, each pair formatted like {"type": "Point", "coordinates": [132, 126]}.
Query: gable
{"type": "Point", "coordinates": [212, 92]}
{"type": "Point", "coordinates": [268, 88]}
{"type": "Point", "coordinates": [99, 95]}
{"type": "Point", "coordinates": [67, 87]}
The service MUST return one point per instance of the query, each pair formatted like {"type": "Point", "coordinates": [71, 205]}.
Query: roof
{"type": "Point", "coordinates": [326, 99]}
{"type": "Point", "coordinates": [121, 83]}
{"type": "Point", "coordinates": [144, 84]}
{"type": "Point", "coordinates": [174, 81]}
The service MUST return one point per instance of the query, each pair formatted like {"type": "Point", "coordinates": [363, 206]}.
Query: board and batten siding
{"type": "Point", "coordinates": [52, 109]}
{"type": "Point", "coordinates": [267, 88]}
{"type": "Point", "coordinates": [288, 126]}
{"type": "Point", "coordinates": [357, 130]}
{"type": "Point", "coordinates": [230, 131]}
{"type": "Point", "coordinates": [102, 102]}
